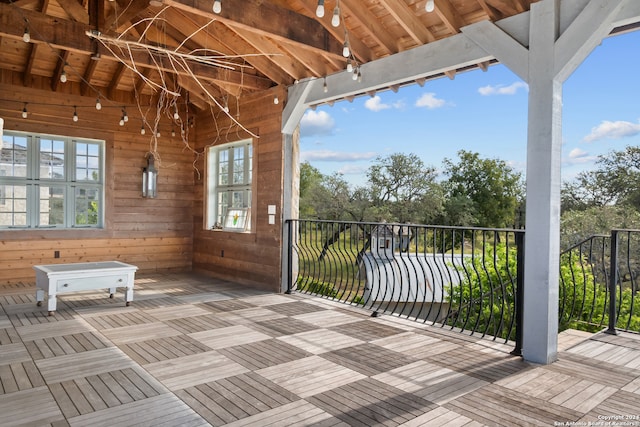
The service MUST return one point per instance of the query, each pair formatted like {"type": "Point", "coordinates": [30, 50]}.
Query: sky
{"type": "Point", "coordinates": [484, 112]}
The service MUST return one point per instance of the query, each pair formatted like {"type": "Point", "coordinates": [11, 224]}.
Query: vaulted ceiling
{"type": "Point", "coordinates": [129, 48]}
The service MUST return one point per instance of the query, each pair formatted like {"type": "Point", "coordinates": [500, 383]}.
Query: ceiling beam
{"type": "Point", "coordinates": [370, 24]}
{"type": "Point", "coordinates": [269, 20]}
{"type": "Point", "coordinates": [408, 21]}
{"type": "Point", "coordinates": [449, 16]}
{"type": "Point", "coordinates": [63, 34]}
{"type": "Point", "coordinates": [75, 10]}
{"type": "Point", "coordinates": [88, 75]}
{"type": "Point", "coordinates": [62, 62]}
{"type": "Point", "coordinates": [360, 50]}
{"type": "Point", "coordinates": [115, 79]}
{"type": "Point", "coordinates": [27, 73]}
{"type": "Point", "coordinates": [219, 37]}
{"type": "Point", "coordinates": [123, 13]}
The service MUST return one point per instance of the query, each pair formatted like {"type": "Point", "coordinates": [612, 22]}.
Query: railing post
{"type": "Point", "coordinates": [613, 282]}
{"type": "Point", "coordinates": [289, 256]}
{"type": "Point", "coordinates": [519, 303]}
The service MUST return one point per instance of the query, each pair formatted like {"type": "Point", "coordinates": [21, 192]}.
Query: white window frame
{"type": "Point", "coordinates": [68, 185]}
{"type": "Point", "coordinates": [220, 184]}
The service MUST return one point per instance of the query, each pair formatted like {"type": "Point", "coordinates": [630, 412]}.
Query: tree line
{"type": "Point", "coordinates": [475, 192]}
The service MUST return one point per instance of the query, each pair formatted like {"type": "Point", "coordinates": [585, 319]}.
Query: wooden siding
{"type": "Point", "coordinates": [253, 257]}
{"type": "Point", "coordinates": [154, 234]}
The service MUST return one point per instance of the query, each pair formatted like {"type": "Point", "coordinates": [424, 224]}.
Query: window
{"type": "Point", "coordinates": [229, 177]}
{"type": "Point", "coordinates": [50, 181]}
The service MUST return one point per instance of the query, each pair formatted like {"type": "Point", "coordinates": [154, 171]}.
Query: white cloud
{"type": "Point", "coordinates": [430, 101]}
{"type": "Point", "coordinates": [577, 156]}
{"type": "Point", "coordinates": [335, 156]}
{"type": "Point", "coordinates": [352, 169]}
{"type": "Point", "coordinates": [501, 89]}
{"type": "Point", "coordinates": [613, 130]}
{"type": "Point", "coordinates": [316, 123]}
{"type": "Point", "coordinates": [375, 104]}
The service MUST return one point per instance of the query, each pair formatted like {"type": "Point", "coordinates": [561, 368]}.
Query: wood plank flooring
{"type": "Point", "coordinates": [197, 351]}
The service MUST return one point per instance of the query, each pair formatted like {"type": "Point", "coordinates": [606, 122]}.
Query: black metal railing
{"type": "Point", "coordinates": [599, 283]}
{"type": "Point", "coordinates": [469, 279]}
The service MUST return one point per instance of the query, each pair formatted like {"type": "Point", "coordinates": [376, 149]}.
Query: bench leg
{"type": "Point", "coordinates": [51, 304]}
{"type": "Point", "coordinates": [128, 296]}
{"type": "Point", "coordinates": [39, 297]}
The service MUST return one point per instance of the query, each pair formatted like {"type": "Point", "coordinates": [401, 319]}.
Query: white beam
{"type": "Point", "coordinates": [297, 104]}
{"type": "Point", "coordinates": [584, 34]}
{"type": "Point", "coordinates": [424, 61]}
{"type": "Point", "coordinates": [506, 49]}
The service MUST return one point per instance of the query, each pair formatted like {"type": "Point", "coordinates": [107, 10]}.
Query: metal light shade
{"type": "Point", "coordinates": [150, 179]}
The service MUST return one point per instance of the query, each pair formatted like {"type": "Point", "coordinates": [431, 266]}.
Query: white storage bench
{"type": "Point", "coordinates": [63, 278]}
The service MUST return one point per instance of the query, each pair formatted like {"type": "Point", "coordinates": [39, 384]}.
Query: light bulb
{"type": "Point", "coordinates": [431, 4]}
{"type": "Point", "coordinates": [320, 9]}
{"type": "Point", "coordinates": [24, 112]}
{"type": "Point", "coordinates": [158, 134]}
{"type": "Point", "coordinates": [276, 100]}
{"type": "Point", "coordinates": [325, 88]}
{"type": "Point", "coordinates": [173, 132]}
{"type": "Point", "coordinates": [217, 6]}
{"type": "Point", "coordinates": [142, 131]}
{"type": "Point", "coordinates": [75, 114]}
{"type": "Point", "coordinates": [335, 19]}
{"type": "Point", "coordinates": [26, 37]}
{"type": "Point", "coordinates": [176, 116]}
{"type": "Point", "coordinates": [121, 122]}
{"type": "Point", "coordinates": [63, 76]}
{"type": "Point", "coordinates": [98, 104]}
{"type": "Point", "coordinates": [354, 76]}
{"type": "Point", "coordinates": [349, 66]}
{"type": "Point", "coordinates": [359, 76]}
{"type": "Point", "coordinates": [125, 117]}
{"type": "Point", "coordinates": [345, 49]}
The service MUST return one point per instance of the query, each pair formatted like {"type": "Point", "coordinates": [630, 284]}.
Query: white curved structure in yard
{"type": "Point", "coordinates": [409, 284]}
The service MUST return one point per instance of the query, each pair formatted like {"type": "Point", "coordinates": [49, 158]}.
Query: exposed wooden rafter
{"type": "Point", "coordinates": [269, 42]}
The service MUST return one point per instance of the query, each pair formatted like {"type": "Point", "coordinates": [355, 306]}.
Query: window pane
{"type": "Point", "coordinates": [238, 165]}
{"type": "Point", "coordinates": [86, 206]}
{"type": "Point", "coordinates": [51, 202]}
{"type": "Point", "coordinates": [51, 159]}
{"type": "Point", "coordinates": [237, 199]}
{"type": "Point", "coordinates": [87, 162]}
{"type": "Point", "coordinates": [13, 205]}
{"type": "Point", "coordinates": [13, 156]}
{"type": "Point", "coordinates": [223, 167]}
{"type": "Point", "coordinates": [223, 204]}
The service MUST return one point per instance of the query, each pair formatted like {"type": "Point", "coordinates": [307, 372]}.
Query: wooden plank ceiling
{"type": "Point", "coordinates": [122, 49]}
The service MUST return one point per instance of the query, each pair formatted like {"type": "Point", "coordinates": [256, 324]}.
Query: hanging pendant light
{"type": "Point", "coordinates": [320, 9]}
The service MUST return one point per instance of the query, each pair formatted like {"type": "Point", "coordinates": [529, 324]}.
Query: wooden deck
{"type": "Point", "coordinates": [196, 351]}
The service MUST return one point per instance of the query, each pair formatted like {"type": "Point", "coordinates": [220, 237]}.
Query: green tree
{"type": "Point", "coordinates": [577, 225]}
{"type": "Point", "coordinates": [403, 189]}
{"type": "Point", "coordinates": [310, 180]}
{"type": "Point", "coordinates": [489, 190]}
{"type": "Point", "coordinates": [621, 171]}
{"type": "Point", "coordinates": [615, 180]}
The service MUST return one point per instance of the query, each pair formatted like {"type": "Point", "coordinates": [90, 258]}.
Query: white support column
{"type": "Point", "coordinates": [542, 241]}
{"type": "Point", "coordinates": [290, 197]}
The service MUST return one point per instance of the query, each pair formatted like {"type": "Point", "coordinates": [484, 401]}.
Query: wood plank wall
{"type": "Point", "coordinates": [254, 257]}
{"type": "Point", "coordinates": [154, 234]}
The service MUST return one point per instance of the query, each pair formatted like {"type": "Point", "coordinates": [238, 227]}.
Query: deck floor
{"type": "Point", "coordinates": [195, 351]}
